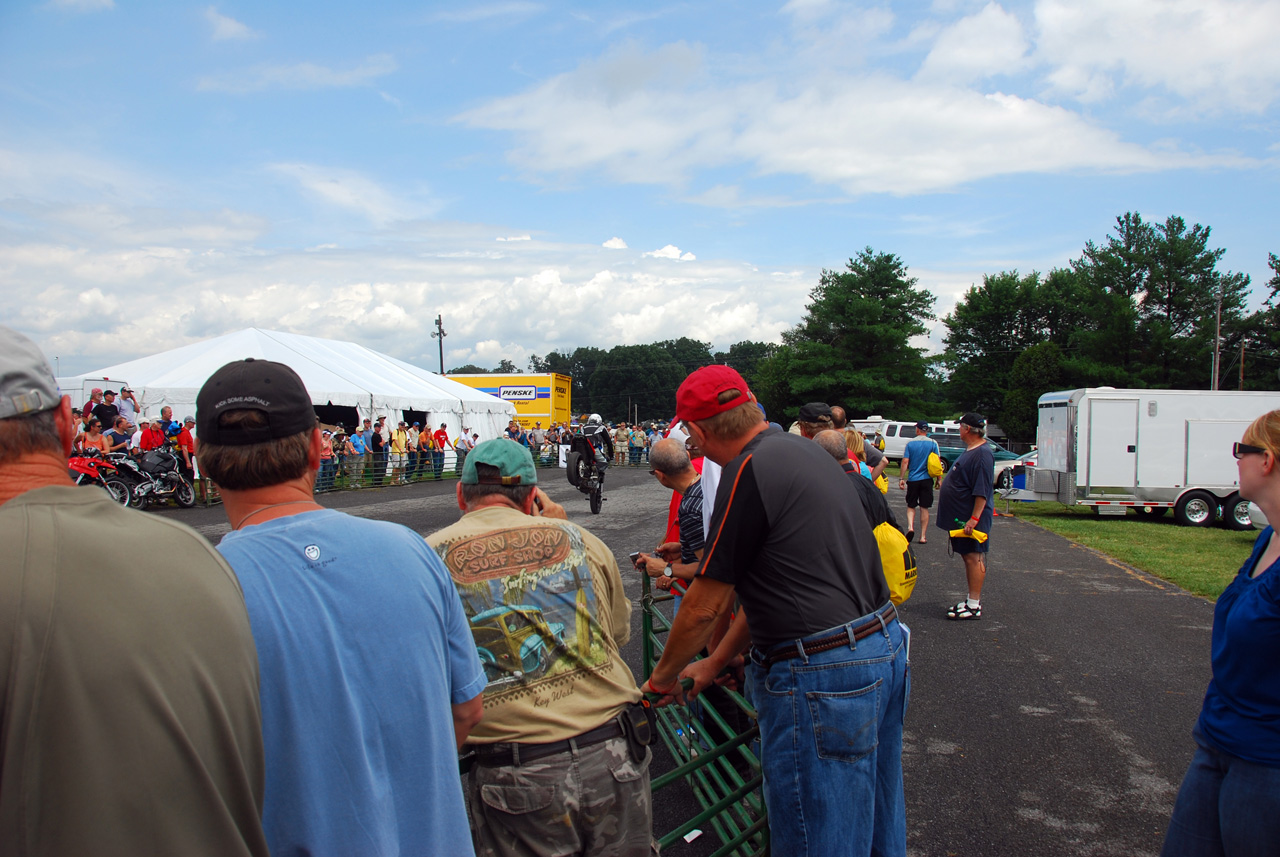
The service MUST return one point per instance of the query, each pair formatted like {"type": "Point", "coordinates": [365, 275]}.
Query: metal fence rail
{"type": "Point", "coordinates": [711, 746]}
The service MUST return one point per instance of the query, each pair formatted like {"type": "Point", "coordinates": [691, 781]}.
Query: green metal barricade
{"type": "Point", "coordinates": [711, 746]}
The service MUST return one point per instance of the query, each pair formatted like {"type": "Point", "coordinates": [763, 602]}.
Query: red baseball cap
{"type": "Point", "coordinates": [699, 396]}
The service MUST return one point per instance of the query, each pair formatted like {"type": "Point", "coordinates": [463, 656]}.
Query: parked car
{"type": "Point", "coordinates": [1007, 472]}
{"type": "Point", "coordinates": [515, 641]}
{"type": "Point", "coordinates": [950, 447]}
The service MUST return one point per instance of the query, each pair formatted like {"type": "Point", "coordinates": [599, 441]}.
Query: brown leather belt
{"type": "Point", "coordinates": [502, 755]}
{"type": "Point", "coordinates": [790, 650]}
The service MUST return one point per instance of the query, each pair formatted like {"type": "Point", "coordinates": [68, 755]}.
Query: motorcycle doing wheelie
{"type": "Point", "coordinates": [156, 476]}
{"type": "Point", "coordinates": [589, 455]}
{"type": "Point", "coordinates": [90, 467]}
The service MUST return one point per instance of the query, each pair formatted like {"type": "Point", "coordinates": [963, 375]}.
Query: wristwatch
{"type": "Point", "coordinates": [667, 572]}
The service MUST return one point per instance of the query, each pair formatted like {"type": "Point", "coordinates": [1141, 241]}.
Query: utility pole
{"type": "Point", "coordinates": [1241, 365]}
{"type": "Point", "coordinates": [1217, 338]}
{"type": "Point", "coordinates": [440, 335]}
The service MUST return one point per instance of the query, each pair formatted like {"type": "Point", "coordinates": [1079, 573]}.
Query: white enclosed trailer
{"type": "Point", "coordinates": [1150, 449]}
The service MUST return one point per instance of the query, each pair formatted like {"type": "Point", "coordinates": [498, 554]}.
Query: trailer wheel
{"type": "Point", "coordinates": [1196, 509]}
{"type": "Point", "coordinates": [1235, 513]}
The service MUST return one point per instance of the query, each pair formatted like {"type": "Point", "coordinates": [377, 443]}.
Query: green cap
{"type": "Point", "coordinates": [514, 463]}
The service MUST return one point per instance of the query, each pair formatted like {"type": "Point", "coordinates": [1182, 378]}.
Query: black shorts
{"type": "Point", "coordinates": [920, 493]}
{"type": "Point", "coordinates": [964, 544]}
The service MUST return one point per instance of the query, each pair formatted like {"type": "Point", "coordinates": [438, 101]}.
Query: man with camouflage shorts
{"type": "Point", "coordinates": [560, 762]}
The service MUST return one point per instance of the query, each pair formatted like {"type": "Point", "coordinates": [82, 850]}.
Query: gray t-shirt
{"type": "Point", "coordinates": [871, 455]}
{"type": "Point", "coordinates": [131, 720]}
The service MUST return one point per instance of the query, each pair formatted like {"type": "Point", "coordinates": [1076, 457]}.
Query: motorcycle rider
{"type": "Point", "coordinates": [597, 434]}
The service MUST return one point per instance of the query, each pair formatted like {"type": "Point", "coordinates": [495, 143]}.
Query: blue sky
{"type": "Point", "coordinates": [551, 175]}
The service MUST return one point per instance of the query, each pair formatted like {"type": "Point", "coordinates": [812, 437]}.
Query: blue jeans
{"type": "Point", "coordinates": [437, 460]}
{"type": "Point", "coordinates": [1226, 806]}
{"type": "Point", "coordinates": [831, 745]}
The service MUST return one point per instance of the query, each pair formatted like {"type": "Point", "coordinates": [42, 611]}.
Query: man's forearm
{"type": "Point", "coordinates": [979, 503]}
{"type": "Point", "coordinates": [700, 611]}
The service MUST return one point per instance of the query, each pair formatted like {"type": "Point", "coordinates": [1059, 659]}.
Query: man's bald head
{"type": "Point", "coordinates": [668, 456]}
{"type": "Point", "coordinates": [833, 442]}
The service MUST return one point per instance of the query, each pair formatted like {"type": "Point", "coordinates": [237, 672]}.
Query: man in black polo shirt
{"type": "Point", "coordinates": [828, 669]}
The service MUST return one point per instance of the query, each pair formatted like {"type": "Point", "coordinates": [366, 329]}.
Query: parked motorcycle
{"type": "Point", "coordinates": [91, 468]}
{"type": "Point", "coordinates": [156, 476]}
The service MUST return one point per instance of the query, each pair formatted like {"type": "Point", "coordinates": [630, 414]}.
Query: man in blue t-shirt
{"type": "Point", "coordinates": [917, 481]}
{"type": "Point", "coordinates": [965, 503]}
{"type": "Point", "coordinates": [369, 677]}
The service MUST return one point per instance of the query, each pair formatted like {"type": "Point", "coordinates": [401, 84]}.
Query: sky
{"type": "Point", "coordinates": [551, 175]}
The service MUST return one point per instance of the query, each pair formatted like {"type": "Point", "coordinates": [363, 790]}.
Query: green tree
{"type": "Point", "coordinates": [646, 376]}
{"type": "Point", "coordinates": [1036, 371]}
{"type": "Point", "coordinates": [993, 324]}
{"type": "Point", "coordinates": [1113, 278]}
{"type": "Point", "coordinates": [1261, 339]}
{"type": "Point", "coordinates": [745, 356]}
{"type": "Point", "coordinates": [1178, 313]}
{"type": "Point", "coordinates": [689, 353]}
{"type": "Point", "coordinates": [853, 346]}
{"type": "Point", "coordinates": [467, 369]}
{"type": "Point", "coordinates": [505, 367]}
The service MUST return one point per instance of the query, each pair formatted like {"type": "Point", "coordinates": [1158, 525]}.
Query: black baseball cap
{"type": "Point", "coordinates": [258, 385]}
{"type": "Point", "coordinates": [814, 412]}
{"type": "Point", "coordinates": [974, 420]}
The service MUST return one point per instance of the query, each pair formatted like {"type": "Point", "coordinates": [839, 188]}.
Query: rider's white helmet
{"type": "Point", "coordinates": [594, 420]}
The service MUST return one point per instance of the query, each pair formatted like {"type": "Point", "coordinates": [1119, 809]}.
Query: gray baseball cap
{"type": "Point", "coordinates": [27, 385]}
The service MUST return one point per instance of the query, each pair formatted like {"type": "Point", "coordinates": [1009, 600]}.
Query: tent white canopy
{"type": "Point", "coordinates": [334, 372]}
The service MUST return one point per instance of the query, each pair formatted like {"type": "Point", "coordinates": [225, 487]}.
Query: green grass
{"type": "Point", "coordinates": [1202, 561]}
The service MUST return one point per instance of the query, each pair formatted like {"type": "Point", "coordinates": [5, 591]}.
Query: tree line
{"type": "Point", "coordinates": [1140, 309]}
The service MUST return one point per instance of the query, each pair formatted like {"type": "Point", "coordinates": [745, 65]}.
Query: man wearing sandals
{"type": "Point", "coordinates": [828, 658]}
{"type": "Point", "coordinates": [965, 503]}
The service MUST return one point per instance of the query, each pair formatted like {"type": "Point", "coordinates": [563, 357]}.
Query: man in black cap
{"type": "Point", "coordinates": [130, 722]}
{"type": "Point", "coordinates": [370, 679]}
{"type": "Point", "coordinates": [560, 764]}
{"type": "Point", "coordinates": [965, 503]}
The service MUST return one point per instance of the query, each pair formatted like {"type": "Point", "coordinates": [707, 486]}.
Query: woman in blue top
{"type": "Point", "coordinates": [1229, 803]}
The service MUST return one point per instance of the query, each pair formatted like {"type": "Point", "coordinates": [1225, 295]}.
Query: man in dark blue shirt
{"type": "Point", "coordinates": [964, 503]}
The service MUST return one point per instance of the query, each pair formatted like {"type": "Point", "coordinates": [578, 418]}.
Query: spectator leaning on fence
{"type": "Point", "coordinates": [130, 722]}
{"type": "Point", "coordinates": [821, 627]}
{"type": "Point", "coordinates": [370, 677]}
{"type": "Point", "coordinates": [560, 762]}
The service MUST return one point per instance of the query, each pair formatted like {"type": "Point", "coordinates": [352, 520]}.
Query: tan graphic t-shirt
{"type": "Point", "coordinates": [546, 607]}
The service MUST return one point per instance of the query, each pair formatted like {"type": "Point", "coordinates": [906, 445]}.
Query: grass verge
{"type": "Point", "coordinates": [1202, 561]}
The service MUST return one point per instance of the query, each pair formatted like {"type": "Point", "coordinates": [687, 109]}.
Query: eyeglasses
{"type": "Point", "coordinates": [1240, 450]}
{"type": "Point", "coordinates": [652, 472]}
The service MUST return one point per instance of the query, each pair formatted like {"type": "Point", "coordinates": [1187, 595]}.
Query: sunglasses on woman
{"type": "Point", "coordinates": [1240, 450]}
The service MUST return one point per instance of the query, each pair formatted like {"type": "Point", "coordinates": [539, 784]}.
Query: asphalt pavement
{"type": "Point", "coordinates": [1058, 724]}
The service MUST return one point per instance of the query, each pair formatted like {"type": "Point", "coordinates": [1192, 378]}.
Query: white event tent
{"type": "Point", "coordinates": [335, 373]}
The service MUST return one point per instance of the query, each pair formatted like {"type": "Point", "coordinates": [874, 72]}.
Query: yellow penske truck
{"type": "Point", "coordinates": [539, 397]}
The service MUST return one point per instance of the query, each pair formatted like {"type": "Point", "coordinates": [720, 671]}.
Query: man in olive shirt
{"type": "Point", "coordinates": [130, 721]}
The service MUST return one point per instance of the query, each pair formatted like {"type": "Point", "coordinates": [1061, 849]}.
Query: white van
{"type": "Point", "coordinates": [898, 434]}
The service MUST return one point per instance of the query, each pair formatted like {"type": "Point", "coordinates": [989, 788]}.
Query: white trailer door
{"type": "Point", "coordinates": [1209, 461]}
{"type": "Point", "coordinates": [1113, 447]}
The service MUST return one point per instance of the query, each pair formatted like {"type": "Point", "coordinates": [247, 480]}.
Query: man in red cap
{"type": "Point", "coordinates": [789, 538]}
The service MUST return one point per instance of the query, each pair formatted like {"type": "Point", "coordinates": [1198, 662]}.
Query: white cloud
{"type": "Point", "coordinates": [863, 133]}
{"type": "Point", "coordinates": [304, 75]}
{"type": "Point", "coordinates": [514, 238]}
{"type": "Point", "coordinates": [225, 28]}
{"type": "Point", "coordinates": [83, 5]}
{"type": "Point", "coordinates": [615, 243]}
{"type": "Point", "coordinates": [354, 191]}
{"type": "Point", "coordinates": [988, 43]}
{"type": "Point", "coordinates": [1216, 54]}
{"type": "Point", "coordinates": [670, 252]}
